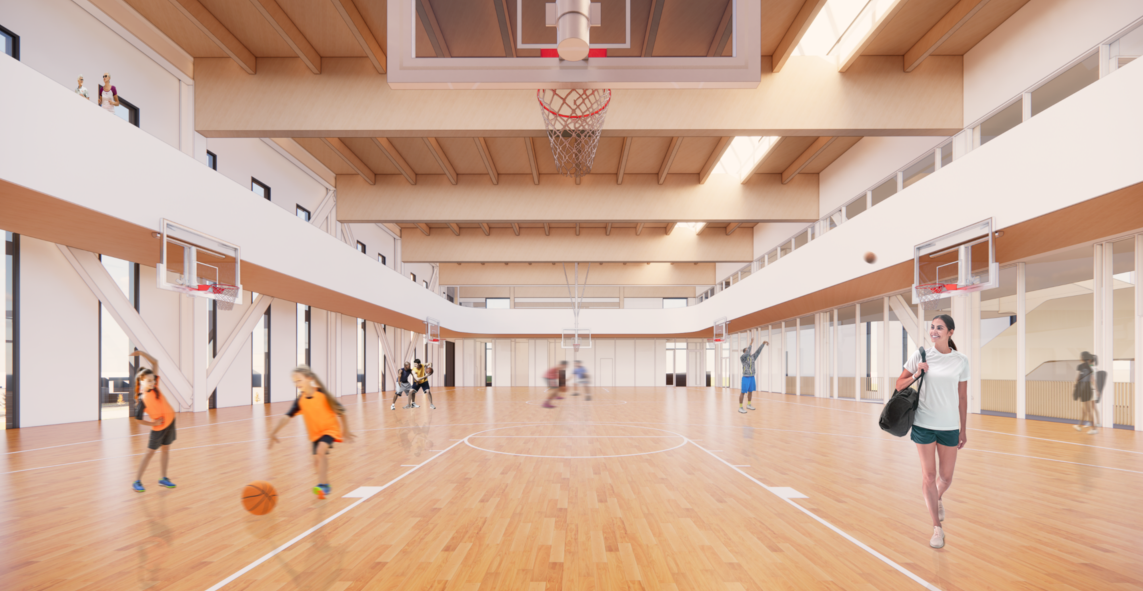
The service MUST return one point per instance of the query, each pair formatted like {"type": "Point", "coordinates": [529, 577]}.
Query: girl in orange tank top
{"type": "Point", "coordinates": [325, 422]}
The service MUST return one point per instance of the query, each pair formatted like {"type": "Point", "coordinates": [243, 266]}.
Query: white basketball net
{"type": "Point", "coordinates": [574, 118]}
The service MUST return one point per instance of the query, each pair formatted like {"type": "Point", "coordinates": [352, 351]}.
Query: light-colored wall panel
{"type": "Point", "coordinates": [869, 161]}
{"type": "Point", "coordinates": [240, 159]}
{"type": "Point", "coordinates": [502, 358]}
{"type": "Point", "coordinates": [235, 387]}
{"type": "Point", "coordinates": [645, 362]}
{"type": "Point", "coordinates": [520, 362]}
{"type": "Point", "coordinates": [523, 274]}
{"type": "Point", "coordinates": [624, 362]}
{"type": "Point", "coordinates": [160, 310]}
{"type": "Point", "coordinates": [348, 383]}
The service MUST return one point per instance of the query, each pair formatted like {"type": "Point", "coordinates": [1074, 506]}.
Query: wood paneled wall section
{"type": "Point", "coordinates": [1053, 400]}
{"type": "Point", "coordinates": [1124, 403]}
{"type": "Point", "coordinates": [998, 395]}
{"type": "Point", "coordinates": [846, 387]}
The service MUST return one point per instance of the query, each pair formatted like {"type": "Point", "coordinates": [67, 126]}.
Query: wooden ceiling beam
{"type": "Point", "coordinates": [486, 156]}
{"type": "Point", "coordinates": [433, 28]}
{"type": "Point", "coordinates": [455, 228]}
{"type": "Point", "coordinates": [351, 159]}
{"type": "Point", "coordinates": [672, 151]}
{"type": "Point", "coordinates": [352, 17]}
{"type": "Point", "coordinates": [623, 160]}
{"type": "Point", "coordinates": [577, 228]}
{"type": "Point", "coordinates": [530, 147]}
{"type": "Point", "coordinates": [715, 156]}
{"type": "Point", "coordinates": [484, 228]}
{"type": "Point", "coordinates": [653, 27]}
{"type": "Point", "coordinates": [883, 20]}
{"type": "Point", "coordinates": [671, 227]}
{"type": "Point", "coordinates": [516, 228]}
{"type": "Point", "coordinates": [722, 33]}
{"type": "Point", "coordinates": [547, 229]}
{"type": "Point", "coordinates": [425, 229]}
{"type": "Point", "coordinates": [608, 231]}
{"type": "Point", "coordinates": [505, 27]}
{"type": "Point", "coordinates": [439, 155]}
{"type": "Point", "coordinates": [210, 26]}
{"type": "Point", "coordinates": [289, 33]}
{"type": "Point", "coordinates": [949, 24]}
{"type": "Point", "coordinates": [390, 151]}
{"type": "Point", "coordinates": [794, 34]}
{"type": "Point", "coordinates": [806, 158]}
{"type": "Point", "coordinates": [623, 246]}
{"type": "Point", "coordinates": [639, 229]}
{"type": "Point", "coordinates": [731, 228]}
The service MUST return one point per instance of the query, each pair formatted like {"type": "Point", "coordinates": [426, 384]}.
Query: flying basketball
{"type": "Point", "coordinates": [259, 497]}
{"type": "Point", "coordinates": [870, 258]}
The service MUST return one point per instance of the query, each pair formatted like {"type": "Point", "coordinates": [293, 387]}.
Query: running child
{"type": "Point", "coordinates": [553, 377]}
{"type": "Point", "coordinates": [421, 375]}
{"type": "Point", "coordinates": [748, 386]}
{"type": "Point", "coordinates": [150, 400]}
{"type": "Point", "coordinates": [581, 380]}
{"type": "Point", "coordinates": [403, 385]}
{"type": "Point", "coordinates": [325, 422]}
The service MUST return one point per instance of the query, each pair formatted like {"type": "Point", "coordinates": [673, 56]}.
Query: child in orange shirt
{"type": "Point", "coordinates": [148, 399]}
{"type": "Point", "coordinates": [325, 422]}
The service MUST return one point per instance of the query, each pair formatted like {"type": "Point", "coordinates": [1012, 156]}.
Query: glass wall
{"type": "Point", "coordinates": [1002, 121]}
{"type": "Point", "coordinates": [998, 346]}
{"type": "Point", "coordinates": [1122, 366]}
{"type": "Point", "coordinates": [709, 369]}
{"type": "Point", "coordinates": [116, 368]}
{"type": "Point", "coordinates": [1066, 84]}
{"type": "Point", "coordinates": [724, 369]}
{"type": "Point", "coordinates": [1060, 311]}
{"type": "Point", "coordinates": [806, 359]}
{"type": "Point", "coordinates": [303, 328]}
{"type": "Point", "coordinates": [870, 333]}
{"type": "Point", "coordinates": [260, 361]}
{"type": "Point", "coordinates": [846, 352]}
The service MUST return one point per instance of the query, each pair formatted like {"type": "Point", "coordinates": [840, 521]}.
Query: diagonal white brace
{"type": "Point", "coordinates": [234, 342]}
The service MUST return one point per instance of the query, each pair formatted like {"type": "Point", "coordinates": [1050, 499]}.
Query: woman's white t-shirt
{"type": "Point", "coordinates": [939, 406]}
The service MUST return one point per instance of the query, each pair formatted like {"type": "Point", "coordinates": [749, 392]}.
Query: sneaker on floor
{"type": "Point", "coordinates": [938, 539]}
{"type": "Point", "coordinates": [1093, 431]}
{"type": "Point", "coordinates": [393, 406]}
{"type": "Point", "coordinates": [415, 405]}
{"type": "Point", "coordinates": [406, 406]}
{"type": "Point", "coordinates": [940, 510]}
{"type": "Point", "coordinates": [575, 393]}
{"type": "Point", "coordinates": [432, 406]}
{"type": "Point", "coordinates": [166, 482]}
{"type": "Point", "coordinates": [742, 410]}
{"type": "Point", "coordinates": [138, 486]}
{"type": "Point", "coordinates": [321, 491]}
{"type": "Point", "coordinates": [750, 407]}
{"type": "Point", "coordinates": [548, 404]}
{"type": "Point", "coordinates": [1079, 427]}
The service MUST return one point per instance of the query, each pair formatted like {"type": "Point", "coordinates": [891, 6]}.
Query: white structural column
{"type": "Point", "coordinates": [782, 358]}
{"type": "Point", "coordinates": [834, 347]}
{"type": "Point", "coordinates": [859, 354]}
{"type": "Point", "coordinates": [200, 356]}
{"type": "Point", "coordinates": [1137, 379]}
{"type": "Point", "coordinates": [883, 391]}
{"type": "Point", "coordinates": [1021, 342]}
{"type": "Point", "coordinates": [1105, 304]}
{"type": "Point", "coordinates": [797, 357]}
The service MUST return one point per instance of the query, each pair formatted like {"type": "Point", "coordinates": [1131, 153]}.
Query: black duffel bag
{"type": "Point", "coordinates": [897, 415]}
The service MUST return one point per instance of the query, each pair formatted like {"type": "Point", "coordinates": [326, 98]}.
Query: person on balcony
{"type": "Point", "coordinates": [108, 96]}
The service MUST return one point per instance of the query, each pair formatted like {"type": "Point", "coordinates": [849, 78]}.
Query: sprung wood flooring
{"type": "Point", "coordinates": [640, 488]}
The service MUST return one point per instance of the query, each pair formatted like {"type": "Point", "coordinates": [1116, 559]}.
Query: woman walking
{"type": "Point", "coordinates": [939, 428]}
{"type": "Point", "coordinates": [1083, 393]}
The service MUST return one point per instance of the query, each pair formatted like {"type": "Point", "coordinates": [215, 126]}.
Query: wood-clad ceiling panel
{"type": "Point", "coordinates": [375, 13]}
{"type": "Point", "coordinates": [250, 27]}
{"type": "Point", "coordinates": [908, 26]}
{"type": "Point", "coordinates": [173, 24]}
{"type": "Point", "coordinates": [640, 14]}
{"type": "Point", "coordinates": [647, 153]}
{"type": "Point", "coordinates": [687, 27]}
{"type": "Point", "coordinates": [323, 27]}
{"type": "Point", "coordinates": [607, 155]}
{"type": "Point", "coordinates": [777, 16]}
{"type": "Point", "coordinates": [510, 155]}
{"type": "Point", "coordinates": [470, 28]}
{"type": "Point", "coordinates": [370, 154]}
{"type": "Point", "coordinates": [693, 154]}
{"type": "Point", "coordinates": [979, 26]}
{"type": "Point", "coordinates": [462, 154]}
{"type": "Point", "coordinates": [325, 155]}
{"type": "Point", "coordinates": [545, 162]}
{"type": "Point", "coordinates": [840, 146]}
{"type": "Point", "coordinates": [417, 154]}
{"type": "Point", "coordinates": [783, 154]}
{"type": "Point", "coordinates": [424, 46]}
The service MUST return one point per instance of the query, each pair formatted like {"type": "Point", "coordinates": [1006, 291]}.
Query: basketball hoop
{"type": "Point", "coordinates": [574, 119]}
{"type": "Point", "coordinates": [930, 293]}
{"type": "Point", "coordinates": [225, 294]}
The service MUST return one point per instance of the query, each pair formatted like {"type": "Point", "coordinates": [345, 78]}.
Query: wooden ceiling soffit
{"type": "Point", "coordinates": [627, 141]}
{"type": "Point", "coordinates": [289, 33]}
{"type": "Point", "coordinates": [350, 159]}
{"type": "Point", "coordinates": [671, 227]}
{"type": "Point", "coordinates": [394, 156]}
{"type": "Point", "coordinates": [723, 33]}
{"type": "Point", "coordinates": [433, 28]}
{"type": "Point", "coordinates": [530, 146]}
{"type": "Point", "coordinates": [486, 157]}
{"type": "Point", "coordinates": [427, 231]}
{"type": "Point", "coordinates": [672, 151]}
{"type": "Point", "coordinates": [505, 27]}
{"type": "Point", "coordinates": [210, 26]}
{"type": "Point", "coordinates": [731, 228]}
{"type": "Point", "coordinates": [128, 18]}
{"type": "Point", "coordinates": [485, 228]}
{"type": "Point", "coordinates": [808, 156]}
{"type": "Point", "coordinates": [949, 24]}
{"type": "Point", "coordinates": [455, 228]}
{"type": "Point", "coordinates": [442, 160]}
{"type": "Point", "coordinates": [794, 34]}
{"type": "Point", "coordinates": [715, 156]}
{"type": "Point", "coordinates": [516, 228]}
{"type": "Point", "coordinates": [883, 19]}
{"type": "Point", "coordinates": [360, 31]}
{"type": "Point", "coordinates": [639, 228]}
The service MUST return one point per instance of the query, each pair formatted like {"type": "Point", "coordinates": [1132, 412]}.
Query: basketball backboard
{"type": "Point", "coordinates": [195, 264]}
{"type": "Point", "coordinates": [720, 330]}
{"type": "Point", "coordinates": [959, 262]}
{"type": "Point", "coordinates": [432, 330]}
{"type": "Point", "coordinates": [576, 338]}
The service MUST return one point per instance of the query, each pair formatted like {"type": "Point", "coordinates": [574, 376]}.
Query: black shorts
{"type": "Point", "coordinates": [323, 439]}
{"type": "Point", "coordinates": [421, 386]}
{"type": "Point", "coordinates": [163, 437]}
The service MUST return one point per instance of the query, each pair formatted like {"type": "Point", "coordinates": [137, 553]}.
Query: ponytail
{"type": "Point", "coordinates": [952, 345]}
{"type": "Point", "coordinates": [949, 324]}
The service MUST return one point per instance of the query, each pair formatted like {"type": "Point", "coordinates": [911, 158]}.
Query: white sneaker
{"type": "Point", "coordinates": [393, 406]}
{"type": "Point", "coordinates": [750, 407]}
{"type": "Point", "coordinates": [1093, 431]}
{"type": "Point", "coordinates": [938, 539]}
{"type": "Point", "coordinates": [742, 410]}
{"type": "Point", "coordinates": [1079, 427]}
{"type": "Point", "coordinates": [432, 407]}
{"type": "Point", "coordinates": [940, 510]}
{"type": "Point", "coordinates": [415, 405]}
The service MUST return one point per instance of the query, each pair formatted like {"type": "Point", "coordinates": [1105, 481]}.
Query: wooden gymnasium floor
{"type": "Point", "coordinates": [642, 488]}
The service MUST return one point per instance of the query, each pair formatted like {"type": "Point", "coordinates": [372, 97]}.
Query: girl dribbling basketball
{"type": "Point", "coordinates": [150, 400]}
{"type": "Point", "coordinates": [939, 428]}
{"type": "Point", "coordinates": [325, 422]}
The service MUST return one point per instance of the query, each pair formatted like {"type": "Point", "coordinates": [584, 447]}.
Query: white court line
{"type": "Point", "coordinates": [646, 453]}
{"type": "Point", "coordinates": [303, 535]}
{"type": "Point", "coordinates": [412, 465]}
{"type": "Point", "coordinates": [1059, 441]}
{"type": "Point", "coordinates": [571, 436]}
{"type": "Point", "coordinates": [778, 492]}
{"type": "Point", "coordinates": [1051, 460]}
{"type": "Point", "coordinates": [130, 436]}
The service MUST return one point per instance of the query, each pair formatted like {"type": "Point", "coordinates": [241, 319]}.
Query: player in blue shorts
{"type": "Point", "coordinates": [748, 359]}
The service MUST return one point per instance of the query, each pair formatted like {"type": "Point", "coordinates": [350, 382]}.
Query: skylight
{"type": "Point", "coordinates": [744, 154]}
{"type": "Point", "coordinates": [828, 26]}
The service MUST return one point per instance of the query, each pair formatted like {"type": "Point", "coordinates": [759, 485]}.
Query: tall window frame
{"type": "Point", "coordinates": [264, 382]}
{"type": "Point", "coordinates": [259, 188]}
{"type": "Point", "coordinates": [129, 109]}
{"type": "Point", "coordinates": [381, 259]}
{"type": "Point", "coordinates": [126, 388]}
{"type": "Point", "coordinates": [303, 334]}
{"type": "Point", "coordinates": [11, 43]}
{"type": "Point", "coordinates": [361, 247]}
{"type": "Point", "coordinates": [302, 212]}
{"type": "Point", "coordinates": [212, 160]}
{"type": "Point", "coordinates": [12, 328]}
{"type": "Point", "coordinates": [362, 348]}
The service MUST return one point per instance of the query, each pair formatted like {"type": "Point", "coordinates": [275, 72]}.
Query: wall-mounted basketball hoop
{"type": "Point", "coordinates": [432, 330]}
{"type": "Point", "coordinates": [199, 265]}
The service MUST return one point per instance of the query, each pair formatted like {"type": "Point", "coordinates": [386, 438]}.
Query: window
{"type": "Point", "coordinates": [10, 42]}
{"type": "Point", "coordinates": [212, 342]}
{"type": "Point", "coordinates": [426, 283]}
{"type": "Point", "coordinates": [413, 276]}
{"type": "Point", "coordinates": [499, 303]}
{"type": "Point", "coordinates": [211, 160]}
{"type": "Point", "coordinates": [10, 275]}
{"type": "Point", "coordinates": [260, 189]}
{"type": "Point", "coordinates": [260, 361]}
{"type": "Point", "coordinates": [303, 213]}
{"type": "Point", "coordinates": [361, 247]}
{"type": "Point", "coordinates": [674, 302]}
{"type": "Point", "coordinates": [1002, 121]}
{"type": "Point", "coordinates": [488, 364]}
{"type": "Point", "coordinates": [127, 112]}
{"type": "Point", "coordinates": [381, 259]}
{"type": "Point", "coordinates": [303, 328]}
{"type": "Point", "coordinates": [1066, 84]}
{"type": "Point", "coordinates": [116, 369]}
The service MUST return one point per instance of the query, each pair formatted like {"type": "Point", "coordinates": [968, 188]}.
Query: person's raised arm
{"type": "Point", "coordinates": [760, 347]}
{"type": "Point", "coordinates": [154, 362]}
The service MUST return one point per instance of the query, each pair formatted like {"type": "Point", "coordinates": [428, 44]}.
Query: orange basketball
{"type": "Point", "coordinates": [259, 497]}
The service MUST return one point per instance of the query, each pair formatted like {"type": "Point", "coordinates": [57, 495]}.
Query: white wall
{"type": "Point", "coordinates": [502, 361]}
{"type": "Point", "coordinates": [283, 349]}
{"type": "Point", "coordinates": [868, 161]}
{"type": "Point", "coordinates": [240, 159]}
{"type": "Point", "coordinates": [1033, 43]}
{"type": "Point", "coordinates": [62, 41]}
{"type": "Point", "coordinates": [235, 387]}
{"type": "Point", "coordinates": [59, 339]}
{"type": "Point", "coordinates": [767, 236]}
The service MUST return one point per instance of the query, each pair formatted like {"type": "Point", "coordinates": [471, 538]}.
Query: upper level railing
{"type": "Point", "coordinates": [1099, 61]}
